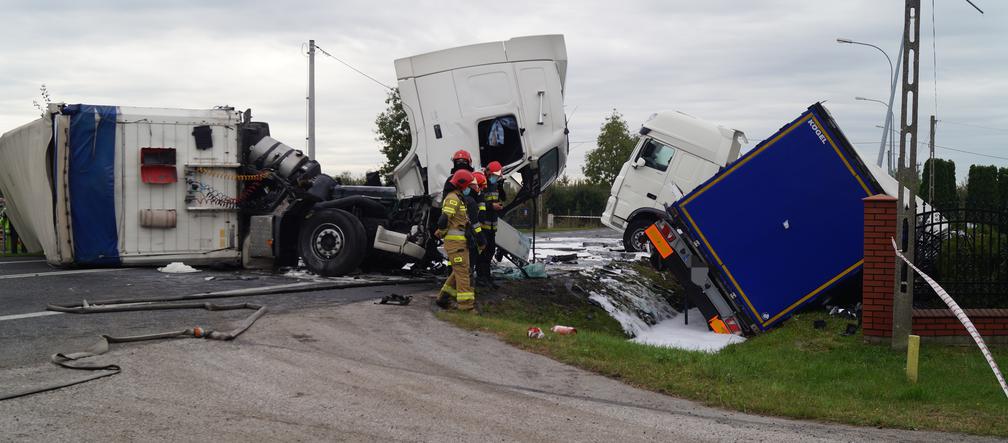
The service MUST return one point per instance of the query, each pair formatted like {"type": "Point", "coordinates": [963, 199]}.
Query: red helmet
{"type": "Point", "coordinates": [480, 180]}
{"type": "Point", "coordinates": [461, 178]}
{"type": "Point", "coordinates": [494, 168]}
{"type": "Point", "coordinates": [462, 154]}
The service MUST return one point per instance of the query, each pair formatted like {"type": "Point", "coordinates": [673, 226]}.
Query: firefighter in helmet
{"type": "Point", "coordinates": [453, 225]}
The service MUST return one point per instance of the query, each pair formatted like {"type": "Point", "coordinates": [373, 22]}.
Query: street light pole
{"type": "Point", "coordinates": [891, 128]}
{"type": "Point", "coordinates": [892, 92]}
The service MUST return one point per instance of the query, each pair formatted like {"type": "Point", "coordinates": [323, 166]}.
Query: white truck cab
{"type": "Point", "coordinates": [500, 101]}
{"type": "Point", "coordinates": [676, 153]}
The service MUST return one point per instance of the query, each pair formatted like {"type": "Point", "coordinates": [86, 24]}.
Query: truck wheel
{"type": "Point", "coordinates": [634, 239]}
{"type": "Point", "coordinates": [332, 242]}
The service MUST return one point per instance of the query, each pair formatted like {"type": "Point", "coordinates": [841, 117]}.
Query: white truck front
{"type": "Point", "coordinates": [675, 153]}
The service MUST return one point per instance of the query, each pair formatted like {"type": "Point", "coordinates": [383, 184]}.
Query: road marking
{"type": "Point", "coordinates": [28, 315]}
{"type": "Point", "coordinates": [77, 271]}
{"type": "Point", "coordinates": [20, 261]}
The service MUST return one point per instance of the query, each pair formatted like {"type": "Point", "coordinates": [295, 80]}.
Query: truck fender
{"type": "Point", "coordinates": [369, 207]}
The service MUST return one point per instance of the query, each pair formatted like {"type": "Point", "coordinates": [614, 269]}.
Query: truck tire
{"type": "Point", "coordinates": [332, 242]}
{"type": "Point", "coordinates": [634, 239]}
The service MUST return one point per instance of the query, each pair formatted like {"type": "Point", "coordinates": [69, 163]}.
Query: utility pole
{"type": "Point", "coordinates": [311, 99]}
{"type": "Point", "coordinates": [931, 172]}
{"type": "Point", "coordinates": [907, 176]}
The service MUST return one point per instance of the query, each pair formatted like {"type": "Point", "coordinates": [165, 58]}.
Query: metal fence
{"type": "Point", "coordinates": [966, 251]}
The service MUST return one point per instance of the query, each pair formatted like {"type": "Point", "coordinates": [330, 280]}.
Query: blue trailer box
{"type": "Point", "coordinates": [784, 222]}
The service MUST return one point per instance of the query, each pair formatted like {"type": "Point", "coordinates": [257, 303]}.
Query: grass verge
{"type": "Point", "coordinates": [794, 371]}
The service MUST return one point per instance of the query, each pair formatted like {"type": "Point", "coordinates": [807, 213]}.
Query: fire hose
{"type": "Point", "coordinates": [75, 360]}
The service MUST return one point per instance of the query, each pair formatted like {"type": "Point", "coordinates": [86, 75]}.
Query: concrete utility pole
{"type": "Point", "coordinates": [931, 172]}
{"type": "Point", "coordinates": [311, 99]}
{"type": "Point", "coordinates": [907, 176]}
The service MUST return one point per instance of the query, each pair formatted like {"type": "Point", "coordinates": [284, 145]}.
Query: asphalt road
{"type": "Point", "coordinates": [325, 365]}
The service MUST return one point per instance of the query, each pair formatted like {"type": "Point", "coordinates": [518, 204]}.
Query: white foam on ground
{"type": "Point", "coordinates": [695, 336]}
{"type": "Point", "coordinates": [177, 267]}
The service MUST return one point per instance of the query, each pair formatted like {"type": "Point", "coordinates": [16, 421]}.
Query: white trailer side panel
{"type": "Point", "coordinates": [24, 181]}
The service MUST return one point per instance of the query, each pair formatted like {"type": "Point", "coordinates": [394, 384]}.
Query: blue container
{"type": "Point", "coordinates": [784, 222]}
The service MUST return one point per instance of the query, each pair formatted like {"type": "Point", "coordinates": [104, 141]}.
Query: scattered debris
{"type": "Point", "coordinates": [178, 267]}
{"type": "Point", "coordinates": [395, 299]}
{"type": "Point", "coordinates": [210, 278]}
{"type": "Point", "coordinates": [851, 329]}
{"type": "Point", "coordinates": [568, 258]}
{"type": "Point", "coordinates": [564, 330]}
{"type": "Point", "coordinates": [535, 333]}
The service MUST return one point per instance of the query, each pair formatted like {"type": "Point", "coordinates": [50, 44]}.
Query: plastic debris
{"type": "Point", "coordinates": [564, 330]}
{"type": "Point", "coordinates": [535, 333]}
{"type": "Point", "coordinates": [177, 267]}
{"type": "Point", "coordinates": [395, 299]}
{"type": "Point", "coordinates": [535, 270]}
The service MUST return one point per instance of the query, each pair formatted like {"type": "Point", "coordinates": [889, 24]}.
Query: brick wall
{"type": "Point", "coordinates": [878, 280]}
{"type": "Point", "coordinates": [879, 265]}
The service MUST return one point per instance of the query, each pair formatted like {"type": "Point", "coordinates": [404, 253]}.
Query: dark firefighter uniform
{"type": "Point", "coordinates": [494, 193]}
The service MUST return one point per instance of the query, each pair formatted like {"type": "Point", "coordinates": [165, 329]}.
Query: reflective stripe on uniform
{"type": "Point", "coordinates": [455, 232]}
{"type": "Point", "coordinates": [477, 229]}
{"type": "Point", "coordinates": [482, 206]}
{"type": "Point", "coordinates": [458, 259]}
{"type": "Point", "coordinates": [454, 237]}
{"type": "Point", "coordinates": [465, 296]}
{"type": "Point", "coordinates": [448, 210]}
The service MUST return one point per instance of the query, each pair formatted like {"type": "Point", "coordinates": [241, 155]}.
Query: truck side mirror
{"type": "Point", "coordinates": [638, 163]}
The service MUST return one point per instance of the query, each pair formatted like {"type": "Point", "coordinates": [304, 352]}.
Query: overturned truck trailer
{"type": "Point", "coordinates": [773, 231]}
{"type": "Point", "coordinates": [108, 185]}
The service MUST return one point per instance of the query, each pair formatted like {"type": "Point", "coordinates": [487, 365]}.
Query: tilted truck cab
{"type": "Point", "coordinates": [675, 153]}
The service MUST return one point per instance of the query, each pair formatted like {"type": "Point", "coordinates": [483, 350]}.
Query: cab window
{"type": "Point", "coordinates": [500, 140]}
{"type": "Point", "coordinates": [656, 155]}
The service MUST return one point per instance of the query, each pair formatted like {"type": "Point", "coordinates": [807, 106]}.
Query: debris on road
{"type": "Point", "coordinates": [177, 267]}
{"type": "Point", "coordinates": [395, 299]}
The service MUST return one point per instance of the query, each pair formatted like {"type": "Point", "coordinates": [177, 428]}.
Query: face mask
{"type": "Point", "coordinates": [466, 191]}
{"type": "Point", "coordinates": [493, 180]}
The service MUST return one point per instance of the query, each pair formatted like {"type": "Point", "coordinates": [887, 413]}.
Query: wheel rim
{"type": "Point", "coordinates": [327, 241]}
{"type": "Point", "coordinates": [639, 241]}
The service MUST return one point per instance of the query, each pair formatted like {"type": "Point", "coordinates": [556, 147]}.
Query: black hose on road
{"type": "Point", "coordinates": [74, 360]}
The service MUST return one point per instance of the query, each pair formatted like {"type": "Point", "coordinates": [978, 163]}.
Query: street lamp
{"type": "Point", "coordinates": [892, 137]}
{"type": "Point", "coordinates": [892, 93]}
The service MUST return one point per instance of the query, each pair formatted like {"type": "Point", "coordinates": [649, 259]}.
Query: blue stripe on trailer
{"type": "Point", "coordinates": [784, 222]}
{"type": "Point", "coordinates": [92, 184]}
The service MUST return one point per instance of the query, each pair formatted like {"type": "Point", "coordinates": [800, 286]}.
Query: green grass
{"type": "Point", "coordinates": [794, 371]}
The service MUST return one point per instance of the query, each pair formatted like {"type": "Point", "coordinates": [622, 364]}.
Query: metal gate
{"type": "Point", "coordinates": [966, 251]}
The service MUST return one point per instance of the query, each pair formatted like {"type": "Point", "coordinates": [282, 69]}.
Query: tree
{"type": "Point", "coordinates": [615, 143]}
{"type": "Point", "coordinates": [1003, 186]}
{"type": "Point", "coordinates": [393, 131]}
{"type": "Point", "coordinates": [982, 187]}
{"type": "Point", "coordinates": [945, 197]}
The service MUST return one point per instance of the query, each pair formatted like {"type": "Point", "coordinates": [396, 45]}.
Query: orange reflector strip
{"type": "Point", "coordinates": [659, 242]}
{"type": "Point", "coordinates": [718, 326]}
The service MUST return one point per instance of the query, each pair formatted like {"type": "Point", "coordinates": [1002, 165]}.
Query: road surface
{"type": "Point", "coordinates": [329, 365]}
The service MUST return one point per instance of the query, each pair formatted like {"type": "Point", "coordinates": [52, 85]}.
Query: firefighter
{"type": "Point", "coordinates": [477, 216]}
{"type": "Point", "coordinates": [461, 159]}
{"type": "Point", "coordinates": [452, 227]}
{"type": "Point", "coordinates": [493, 197]}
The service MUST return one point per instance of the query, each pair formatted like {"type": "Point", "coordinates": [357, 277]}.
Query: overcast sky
{"type": "Point", "coordinates": [752, 66]}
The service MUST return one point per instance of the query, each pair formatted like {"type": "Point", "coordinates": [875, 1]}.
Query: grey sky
{"type": "Point", "coordinates": [749, 65]}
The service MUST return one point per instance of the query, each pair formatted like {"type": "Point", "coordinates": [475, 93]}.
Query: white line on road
{"type": "Point", "coordinates": [28, 315]}
{"type": "Point", "coordinates": [20, 261]}
{"type": "Point", "coordinates": [77, 271]}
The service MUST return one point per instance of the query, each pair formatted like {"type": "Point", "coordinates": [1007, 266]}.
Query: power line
{"type": "Point", "coordinates": [949, 149]}
{"type": "Point", "coordinates": [351, 67]}
{"type": "Point", "coordinates": [943, 121]}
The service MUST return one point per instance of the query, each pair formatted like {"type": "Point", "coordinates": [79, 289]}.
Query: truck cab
{"type": "Point", "coordinates": [675, 153]}
{"type": "Point", "coordinates": [500, 101]}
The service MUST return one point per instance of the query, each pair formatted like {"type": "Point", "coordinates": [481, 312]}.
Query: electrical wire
{"type": "Point", "coordinates": [355, 69]}
{"type": "Point", "coordinates": [947, 148]}
{"type": "Point", "coordinates": [946, 122]}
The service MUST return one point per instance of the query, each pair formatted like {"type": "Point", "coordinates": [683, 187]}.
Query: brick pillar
{"type": "Point", "coordinates": [879, 266]}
